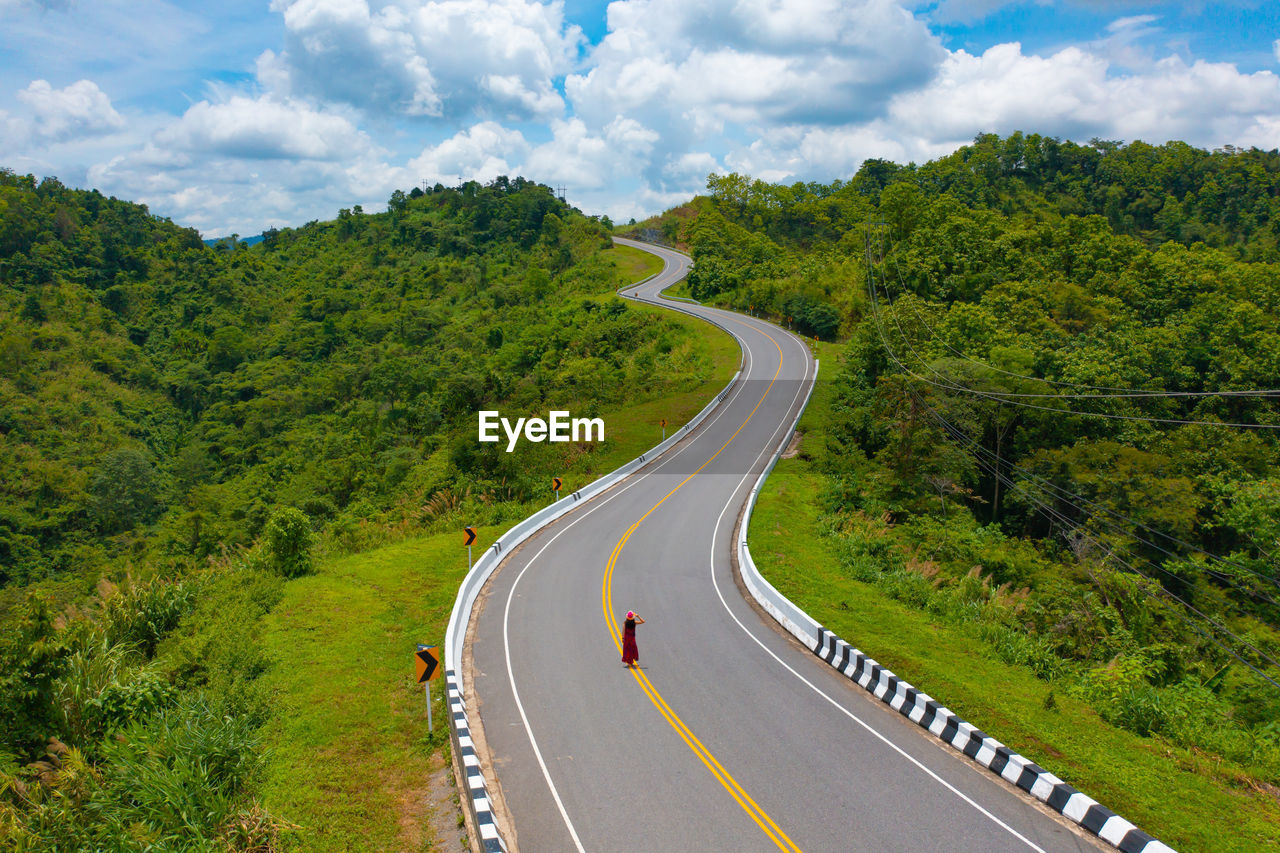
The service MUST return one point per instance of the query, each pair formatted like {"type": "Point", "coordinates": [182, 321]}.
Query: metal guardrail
{"type": "Point", "coordinates": [495, 553]}
{"type": "Point", "coordinates": [798, 623]}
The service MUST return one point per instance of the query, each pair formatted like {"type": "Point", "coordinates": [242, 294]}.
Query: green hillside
{"type": "Point", "coordinates": [1048, 433]}
{"type": "Point", "coordinates": [185, 428]}
{"type": "Point", "coordinates": [160, 396]}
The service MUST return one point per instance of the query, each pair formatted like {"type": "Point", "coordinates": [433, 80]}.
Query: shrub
{"type": "Point", "coordinates": [176, 782]}
{"type": "Point", "coordinates": [862, 567]}
{"type": "Point", "coordinates": [215, 649]}
{"type": "Point", "coordinates": [184, 770]}
{"type": "Point", "coordinates": [908, 587]}
{"type": "Point", "coordinates": [288, 540]}
{"type": "Point", "coordinates": [1020, 649]}
{"type": "Point", "coordinates": [31, 658]}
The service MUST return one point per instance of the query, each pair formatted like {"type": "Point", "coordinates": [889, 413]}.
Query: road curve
{"type": "Point", "coordinates": [731, 736]}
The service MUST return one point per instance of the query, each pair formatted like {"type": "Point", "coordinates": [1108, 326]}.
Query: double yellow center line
{"type": "Point", "coordinates": [730, 784]}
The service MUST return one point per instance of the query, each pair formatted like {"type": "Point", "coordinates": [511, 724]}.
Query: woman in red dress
{"type": "Point", "coordinates": [630, 654]}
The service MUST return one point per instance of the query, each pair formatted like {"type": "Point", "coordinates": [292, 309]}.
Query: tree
{"type": "Point", "coordinates": [124, 490]}
{"type": "Point", "coordinates": [901, 205]}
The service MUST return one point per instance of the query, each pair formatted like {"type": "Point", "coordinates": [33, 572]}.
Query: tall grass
{"type": "Point", "coordinates": [176, 782]}
{"type": "Point", "coordinates": [155, 690]}
{"type": "Point", "coordinates": [104, 687]}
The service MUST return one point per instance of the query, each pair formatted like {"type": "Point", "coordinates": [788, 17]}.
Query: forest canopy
{"type": "Point", "coordinates": [158, 396]}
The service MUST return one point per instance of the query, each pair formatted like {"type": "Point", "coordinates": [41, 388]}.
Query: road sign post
{"type": "Point", "coordinates": [664, 428]}
{"type": "Point", "coordinates": [470, 533]}
{"type": "Point", "coordinates": [555, 489]}
{"type": "Point", "coordinates": [427, 666]}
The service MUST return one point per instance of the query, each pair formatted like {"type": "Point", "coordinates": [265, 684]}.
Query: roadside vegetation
{"type": "Point", "coordinates": [201, 444]}
{"type": "Point", "coordinates": [1025, 489]}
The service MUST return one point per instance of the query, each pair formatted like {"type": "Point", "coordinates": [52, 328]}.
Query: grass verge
{"type": "Point", "coordinates": [349, 755]}
{"type": "Point", "coordinates": [1183, 797]}
{"type": "Point", "coordinates": [633, 265]}
{"type": "Point", "coordinates": [635, 428]}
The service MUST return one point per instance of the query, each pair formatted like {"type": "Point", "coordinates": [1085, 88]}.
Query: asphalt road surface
{"type": "Point", "coordinates": [731, 736]}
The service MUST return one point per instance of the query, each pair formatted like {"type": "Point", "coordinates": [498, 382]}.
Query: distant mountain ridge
{"type": "Point", "coordinates": [248, 241]}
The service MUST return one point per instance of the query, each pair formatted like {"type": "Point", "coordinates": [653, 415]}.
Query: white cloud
{"type": "Point", "coordinates": [1072, 94]}
{"type": "Point", "coordinates": [1005, 87]}
{"type": "Point", "coordinates": [470, 89]}
{"type": "Point", "coordinates": [243, 164]}
{"type": "Point", "coordinates": [482, 152]}
{"type": "Point", "coordinates": [342, 50]}
{"type": "Point", "coordinates": [590, 161]}
{"type": "Point", "coordinates": [1134, 24]}
{"type": "Point", "coordinates": [263, 128]}
{"type": "Point", "coordinates": [448, 59]}
{"type": "Point", "coordinates": [712, 76]}
{"type": "Point", "coordinates": [1275, 48]}
{"type": "Point", "coordinates": [824, 153]}
{"type": "Point", "coordinates": [691, 167]}
{"type": "Point", "coordinates": [754, 61]}
{"type": "Point", "coordinates": [81, 109]}
{"type": "Point", "coordinates": [219, 194]}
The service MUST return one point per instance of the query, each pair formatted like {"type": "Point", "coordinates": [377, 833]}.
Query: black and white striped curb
{"type": "Point", "coordinates": [478, 803]}
{"type": "Point", "coordinates": [927, 713]}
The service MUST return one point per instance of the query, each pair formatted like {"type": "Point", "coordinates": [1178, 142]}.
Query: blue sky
{"type": "Point", "coordinates": [276, 112]}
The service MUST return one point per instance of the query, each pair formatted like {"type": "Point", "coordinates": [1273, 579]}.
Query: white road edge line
{"type": "Point", "coordinates": [506, 634]}
{"type": "Point", "coordinates": [815, 688]}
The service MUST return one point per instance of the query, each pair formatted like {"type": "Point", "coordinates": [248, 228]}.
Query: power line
{"type": "Point", "coordinates": [1122, 524]}
{"type": "Point", "coordinates": [1051, 512]}
{"type": "Point", "coordinates": [1046, 483]}
{"type": "Point", "coordinates": [1054, 514]}
{"type": "Point", "coordinates": [1051, 486]}
{"type": "Point", "coordinates": [1120, 392]}
{"type": "Point", "coordinates": [949, 384]}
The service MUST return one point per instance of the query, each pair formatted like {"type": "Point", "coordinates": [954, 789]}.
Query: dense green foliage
{"type": "Point", "coordinates": [159, 397]}
{"type": "Point", "coordinates": [1027, 432]}
{"type": "Point", "coordinates": [1224, 198]}
{"type": "Point", "coordinates": [182, 427]}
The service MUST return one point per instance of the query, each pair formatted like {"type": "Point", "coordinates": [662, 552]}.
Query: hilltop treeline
{"type": "Point", "coordinates": [1225, 198]}
{"type": "Point", "coordinates": [1056, 416]}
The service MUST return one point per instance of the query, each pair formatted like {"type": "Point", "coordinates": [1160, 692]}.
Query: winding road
{"type": "Point", "coordinates": [731, 736]}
